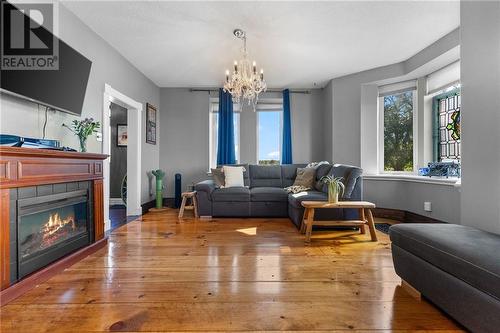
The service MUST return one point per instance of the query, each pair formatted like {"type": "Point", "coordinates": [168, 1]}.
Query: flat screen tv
{"type": "Point", "coordinates": [62, 89]}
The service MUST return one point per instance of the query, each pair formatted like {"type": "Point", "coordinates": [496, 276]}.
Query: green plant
{"type": "Point", "coordinates": [336, 187]}
{"type": "Point", "coordinates": [83, 129]}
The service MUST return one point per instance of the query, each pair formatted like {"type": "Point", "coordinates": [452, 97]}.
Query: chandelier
{"type": "Point", "coordinates": [245, 84]}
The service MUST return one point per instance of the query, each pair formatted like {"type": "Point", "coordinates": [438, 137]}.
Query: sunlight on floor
{"type": "Point", "coordinates": [248, 231]}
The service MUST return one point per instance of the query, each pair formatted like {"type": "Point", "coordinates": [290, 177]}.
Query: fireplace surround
{"type": "Point", "coordinates": [51, 214]}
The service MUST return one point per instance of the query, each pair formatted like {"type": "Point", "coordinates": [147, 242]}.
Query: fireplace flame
{"type": "Point", "coordinates": [55, 223]}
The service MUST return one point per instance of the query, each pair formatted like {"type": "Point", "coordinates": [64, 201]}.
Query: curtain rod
{"type": "Point", "coordinates": [268, 90]}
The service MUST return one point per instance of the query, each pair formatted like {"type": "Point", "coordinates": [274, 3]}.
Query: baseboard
{"type": "Point", "coordinates": [403, 216]}
{"type": "Point", "coordinates": [167, 202]}
{"type": "Point", "coordinates": [115, 201]}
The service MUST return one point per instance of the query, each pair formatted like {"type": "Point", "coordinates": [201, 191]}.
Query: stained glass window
{"type": "Point", "coordinates": [447, 108]}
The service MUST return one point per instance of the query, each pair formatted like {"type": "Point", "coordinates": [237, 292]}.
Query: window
{"type": "Point", "coordinates": [213, 132]}
{"type": "Point", "coordinates": [446, 106]}
{"type": "Point", "coordinates": [398, 126]}
{"type": "Point", "coordinates": [269, 129]}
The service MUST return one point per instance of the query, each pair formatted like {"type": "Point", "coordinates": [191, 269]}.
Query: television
{"type": "Point", "coordinates": [62, 89]}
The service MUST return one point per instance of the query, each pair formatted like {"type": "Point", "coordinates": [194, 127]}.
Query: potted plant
{"type": "Point", "coordinates": [83, 129]}
{"type": "Point", "coordinates": [335, 186]}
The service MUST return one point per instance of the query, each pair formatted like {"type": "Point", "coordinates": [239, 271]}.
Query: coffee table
{"type": "Point", "coordinates": [365, 214]}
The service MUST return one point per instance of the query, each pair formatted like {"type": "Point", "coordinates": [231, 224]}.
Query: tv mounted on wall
{"type": "Point", "coordinates": [62, 89]}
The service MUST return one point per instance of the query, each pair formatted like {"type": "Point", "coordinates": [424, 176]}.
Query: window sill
{"type": "Point", "coordinates": [452, 181]}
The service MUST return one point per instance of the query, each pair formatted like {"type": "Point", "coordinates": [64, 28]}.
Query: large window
{"type": "Point", "coordinates": [213, 132]}
{"type": "Point", "coordinates": [269, 133]}
{"type": "Point", "coordinates": [447, 145]}
{"type": "Point", "coordinates": [398, 137]}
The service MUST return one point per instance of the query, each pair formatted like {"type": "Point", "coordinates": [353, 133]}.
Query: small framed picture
{"type": "Point", "coordinates": [150, 124]}
{"type": "Point", "coordinates": [121, 135]}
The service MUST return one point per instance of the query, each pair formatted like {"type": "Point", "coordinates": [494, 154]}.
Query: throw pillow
{"type": "Point", "coordinates": [305, 177]}
{"type": "Point", "coordinates": [218, 177]}
{"type": "Point", "coordinates": [321, 171]}
{"type": "Point", "coordinates": [233, 176]}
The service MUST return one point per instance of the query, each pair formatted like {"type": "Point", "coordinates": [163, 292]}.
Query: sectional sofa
{"type": "Point", "coordinates": [264, 194]}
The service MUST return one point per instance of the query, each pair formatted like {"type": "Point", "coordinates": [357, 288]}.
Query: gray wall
{"type": "Point", "coordinates": [345, 109]}
{"type": "Point", "coordinates": [410, 196]}
{"type": "Point", "coordinates": [354, 135]}
{"type": "Point", "coordinates": [480, 60]}
{"type": "Point", "coordinates": [184, 141]}
{"type": "Point", "coordinates": [118, 163]}
{"type": "Point", "coordinates": [108, 66]}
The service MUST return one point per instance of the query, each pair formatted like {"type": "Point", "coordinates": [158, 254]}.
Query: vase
{"type": "Point", "coordinates": [83, 143]}
{"type": "Point", "coordinates": [333, 194]}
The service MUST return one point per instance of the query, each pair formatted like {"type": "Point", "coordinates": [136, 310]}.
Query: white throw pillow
{"type": "Point", "coordinates": [233, 176]}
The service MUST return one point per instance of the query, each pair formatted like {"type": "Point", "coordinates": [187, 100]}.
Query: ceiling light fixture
{"type": "Point", "coordinates": [245, 84]}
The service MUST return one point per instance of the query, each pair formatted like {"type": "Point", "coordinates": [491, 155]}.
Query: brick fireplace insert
{"type": "Point", "coordinates": [51, 214]}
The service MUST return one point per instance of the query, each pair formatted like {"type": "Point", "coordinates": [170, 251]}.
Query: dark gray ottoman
{"type": "Point", "coordinates": [455, 267]}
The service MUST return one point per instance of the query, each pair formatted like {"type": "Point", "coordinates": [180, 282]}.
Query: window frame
{"type": "Point", "coordinates": [381, 132]}
{"type": "Point", "coordinates": [447, 92]}
{"type": "Point", "coordinates": [213, 109]}
{"type": "Point", "coordinates": [280, 131]}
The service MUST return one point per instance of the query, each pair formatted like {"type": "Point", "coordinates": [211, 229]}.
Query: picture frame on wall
{"type": "Point", "coordinates": [150, 124]}
{"type": "Point", "coordinates": [121, 135]}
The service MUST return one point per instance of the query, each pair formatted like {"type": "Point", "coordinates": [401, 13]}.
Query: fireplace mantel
{"type": "Point", "coordinates": [21, 167]}
{"type": "Point", "coordinates": [28, 167]}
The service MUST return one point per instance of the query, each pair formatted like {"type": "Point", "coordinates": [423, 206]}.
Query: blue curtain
{"type": "Point", "coordinates": [225, 137]}
{"type": "Point", "coordinates": [286, 151]}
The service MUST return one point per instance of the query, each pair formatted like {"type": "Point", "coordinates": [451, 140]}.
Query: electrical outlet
{"type": "Point", "coordinates": [98, 136]}
{"type": "Point", "coordinates": [427, 206]}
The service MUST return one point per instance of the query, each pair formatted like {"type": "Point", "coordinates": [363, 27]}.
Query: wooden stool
{"type": "Point", "coordinates": [192, 206]}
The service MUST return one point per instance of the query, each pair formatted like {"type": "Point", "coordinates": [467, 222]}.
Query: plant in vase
{"type": "Point", "coordinates": [335, 187]}
{"type": "Point", "coordinates": [83, 129]}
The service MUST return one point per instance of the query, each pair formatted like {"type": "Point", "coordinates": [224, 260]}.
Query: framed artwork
{"type": "Point", "coordinates": [121, 135]}
{"type": "Point", "coordinates": [150, 124]}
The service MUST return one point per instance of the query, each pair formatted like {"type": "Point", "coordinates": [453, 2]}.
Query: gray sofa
{"type": "Point", "coordinates": [264, 194]}
{"type": "Point", "coordinates": [454, 266]}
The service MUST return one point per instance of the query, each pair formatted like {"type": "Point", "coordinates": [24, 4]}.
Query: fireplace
{"type": "Point", "coordinates": [50, 227]}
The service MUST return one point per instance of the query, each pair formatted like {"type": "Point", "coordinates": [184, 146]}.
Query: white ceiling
{"type": "Point", "coordinates": [190, 44]}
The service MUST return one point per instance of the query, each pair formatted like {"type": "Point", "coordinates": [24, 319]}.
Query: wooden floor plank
{"type": "Point", "coordinates": [158, 274]}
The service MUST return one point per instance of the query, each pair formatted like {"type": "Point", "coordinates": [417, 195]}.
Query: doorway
{"type": "Point", "coordinates": [118, 165]}
{"type": "Point", "coordinates": [114, 100]}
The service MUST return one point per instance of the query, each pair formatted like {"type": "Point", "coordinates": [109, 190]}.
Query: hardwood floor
{"type": "Point", "coordinates": [158, 274]}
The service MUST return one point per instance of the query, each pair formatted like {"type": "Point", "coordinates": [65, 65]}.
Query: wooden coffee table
{"type": "Point", "coordinates": [365, 214]}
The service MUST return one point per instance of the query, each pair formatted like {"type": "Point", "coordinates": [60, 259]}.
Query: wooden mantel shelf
{"type": "Point", "coordinates": [20, 151]}
{"type": "Point", "coordinates": [21, 167]}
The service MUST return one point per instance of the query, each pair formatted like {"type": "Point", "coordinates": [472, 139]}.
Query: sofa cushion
{"type": "Point", "coordinates": [231, 194]}
{"type": "Point", "coordinates": [288, 173]}
{"type": "Point", "coordinates": [233, 176]}
{"type": "Point", "coordinates": [321, 171]}
{"type": "Point", "coordinates": [218, 177]}
{"type": "Point", "coordinates": [265, 176]}
{"type": "Point", "coordinates": [268, 194]}
{"type": "Point", "coordinates": [246, 173]}
{"type": "Point", "coordinates": [350, 175]}
{"type": "Point", "coordinates": [305, 177]}
{"type": "Point", "coordinates": [296, 199]}
{"type": "Point", "coordinates": [464, 252]}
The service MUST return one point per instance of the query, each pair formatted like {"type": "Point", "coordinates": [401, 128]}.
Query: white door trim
{"type": "Point", "coordinates": [134, 116]}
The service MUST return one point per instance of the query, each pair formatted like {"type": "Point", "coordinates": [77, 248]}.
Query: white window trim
{"type": "Point", "coordinates": [269, 105]}
{"type": "Point", "coordinates": [381, 127]}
